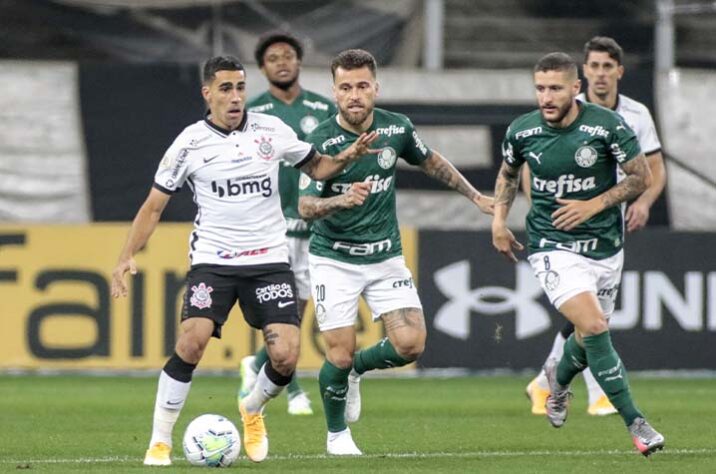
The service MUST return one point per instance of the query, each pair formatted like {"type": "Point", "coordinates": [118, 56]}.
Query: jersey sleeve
{"type": "Point", "coordinates": [173, 169]}
{"type": "Point", "coordinates": [292, 150]}
{"type": "Point", "coordinates": [414, 151]}
{"type": "Point", "coordinates": [510, 151]}
{"type": "Point", "coordinates": [309, 187]}
{"type": "Point", "coordinates": [648, 139]}
{"type": "Point", "coordinates": [623, 143]}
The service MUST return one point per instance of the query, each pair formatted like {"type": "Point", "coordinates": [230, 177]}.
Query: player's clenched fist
{"type": "Point", "coordinates": [357, 194]}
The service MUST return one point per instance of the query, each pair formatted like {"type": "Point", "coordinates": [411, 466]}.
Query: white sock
{"type": "Point", "coordinates": [593, 388]}
{"type": "Point", "coordinates": [333, 436]}
{"type": "Point", "coordinates": [557, 347]}
{"type": "Point", "coordinates": [171, 395]}
{"type": "Point", "coordinates": [556, 353]}
{"type": "Point", "coordinates": [263, 391]}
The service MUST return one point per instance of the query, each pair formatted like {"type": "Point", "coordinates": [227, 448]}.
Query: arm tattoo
{"type": "Point", "coordinates": [312, 207]}
{"type": "Point", "coordinates": [633, 185]}
{"type": "Point", "coordinates": [404, 317]}
{"type": "Point", "coordinates": [438, 167]}
{"type": "Point", "coordinates": [270, 337]}
{"type": "Point", "coordinates": [310, 167]}
{"type": "Point", "coordinates": [508, 180]}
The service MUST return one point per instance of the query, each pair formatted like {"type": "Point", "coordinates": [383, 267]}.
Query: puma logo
{"type": "Point", "coordinates": [537, 158]}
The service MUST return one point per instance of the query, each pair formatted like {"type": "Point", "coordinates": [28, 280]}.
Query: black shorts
{"type": "Point", "coordinates": [266, 294]}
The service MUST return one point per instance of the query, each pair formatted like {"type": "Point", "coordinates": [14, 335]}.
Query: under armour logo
{"type": "Point", "coordinates": [536, 157]}
{"type": "Point", "coordinates": [453, 318]}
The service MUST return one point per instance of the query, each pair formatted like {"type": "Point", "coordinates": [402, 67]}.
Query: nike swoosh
{"type": "Point", "coordinates": [283, 304]}
{"type": "Point", "coordinates": [169, 402]}
{"type": "Point", "coordinates": [206, 160]}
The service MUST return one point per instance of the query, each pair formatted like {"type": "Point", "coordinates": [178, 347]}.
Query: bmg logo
{"type": "Point", "coordinates": [246, 186]}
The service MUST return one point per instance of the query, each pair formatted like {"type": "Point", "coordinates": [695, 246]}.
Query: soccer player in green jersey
{"type": "Point", "coordinates": [603, 69]}
{"type": "Point", "coordinates": [575, 228]}
{"type": "Point", "coordinates": [355, 247]}
{"type": "Point", "coordinates": [279, 56]}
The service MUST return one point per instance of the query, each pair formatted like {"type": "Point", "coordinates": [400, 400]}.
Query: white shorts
{"type": "Point", "coordinates": [336, 287]}
{"type": "Point", "coordinates": [298, 258]}
{"type": "Point", "coordinates": [565, 274]}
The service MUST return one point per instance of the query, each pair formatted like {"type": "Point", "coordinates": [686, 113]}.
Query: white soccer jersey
{"type": "Point", "coordinates": [638, 117]}
{"type": "Point", "coordinates": [234, 178]}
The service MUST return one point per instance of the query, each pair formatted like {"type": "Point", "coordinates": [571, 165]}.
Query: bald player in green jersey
{"type": "Point", "coordinates": [575, 228]}
{"type": "Point", "coordinates": [355, 245]}
{"type": "Point", "coordinates": [279, 56]}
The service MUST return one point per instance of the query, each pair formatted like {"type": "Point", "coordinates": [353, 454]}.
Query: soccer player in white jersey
{"type": "Point", "coordinates": [238, 250]}
{"type": "Point", "coordinates": [355, 247]}
{"type": "Point", "coordinates": [603, 68]}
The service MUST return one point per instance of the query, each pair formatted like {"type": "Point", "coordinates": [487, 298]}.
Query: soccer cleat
{"type": "Point", "coordinates": [538, 397]}
{"type": "Point", "coordinates": [255, 438]}
{"type": "Point", "coordinates": [602, 407]}
{"type": "Point", "coordinates": [558, 400]}
{"type": "Point", "coordinates": [352, 411]}
{"type": "Point", "coordinates": [248, 376]}
{"type": "Point", "coordinates": [299, 404]}
{"type": "Point", "coordinates": [158, 454]}
{"type": "Point", "coordinates": [341, 444]}
{"type": "Point", "coordinates": [645, 438]}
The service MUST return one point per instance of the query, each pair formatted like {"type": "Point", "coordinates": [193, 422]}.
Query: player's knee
{"type": "Point", "coordinates": [190, 349]}
{"type": "Point", "coordinates": [342, 359]}
{"type": "Point", "coordinates": [284, 360]}
{"type": "Point", "coordinates": [410, 349]}
{"type": "Point", "coordinates": [595, 327]}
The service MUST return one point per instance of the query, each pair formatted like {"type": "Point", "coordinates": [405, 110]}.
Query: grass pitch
{"type": "Point", "coordinates": [472, 424]}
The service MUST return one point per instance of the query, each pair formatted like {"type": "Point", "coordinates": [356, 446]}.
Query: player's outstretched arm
{"type": "Point", "coordinates": [574, 212]}
{"type": "Point", "coordinates": [322, 167]}
{"type": "Point", "coordinates": [142, 228]}
{"type": "Point", "coordinates": [508, 179]}
{"type": "Point", "coordinates": [637, 214]}
{"type": "Point", "coordinates": [313, 207]}
{"type": "Point", "coordinates": [438, 167]}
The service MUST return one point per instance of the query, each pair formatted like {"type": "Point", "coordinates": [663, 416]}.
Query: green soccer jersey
{"type": "Point", "coordinates": [576, 162]}
{"type": "Point", "coordinates": [302, 115]}
{"type": "Point", "coordinates": [368, 233]}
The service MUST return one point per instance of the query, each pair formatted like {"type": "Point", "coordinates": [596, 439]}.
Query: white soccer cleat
{"type": "Point", "coordinates": [248, 376]}
{"type": "Point", "coordinates": [557, 403]}
{"type": "Point", "coordinates": [299, 404]}
{"type": "Point", "coordinates": [646, 439]}
{"type": "Point", "coordinates": [342, 444]}
{"type": "Point", "coordinates": [158, 454]}
{"type": "Point", "coordinates": [352, 411]}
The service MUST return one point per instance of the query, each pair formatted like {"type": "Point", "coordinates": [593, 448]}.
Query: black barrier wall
{"type": "Point", "coordinates": [483, 312]}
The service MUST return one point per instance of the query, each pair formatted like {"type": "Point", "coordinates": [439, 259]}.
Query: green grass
{"type": "Point", "coordinates": [473, 424]}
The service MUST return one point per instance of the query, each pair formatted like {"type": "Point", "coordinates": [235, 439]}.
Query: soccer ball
{"type": "Point", "coordinates": [211, 441]}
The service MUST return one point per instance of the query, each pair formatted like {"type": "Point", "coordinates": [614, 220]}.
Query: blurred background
{"type": "Point", "coordinates": [92, 92]}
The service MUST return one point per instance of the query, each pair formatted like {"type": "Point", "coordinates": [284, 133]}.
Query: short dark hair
{"type": "Point", "coordinates": [273, 37]}
{"type": "Point", "coordinates": [556, 62]}
{"type": "Point", "coordinates": [604, 44]}
{"type": "Point", "coordinates": [353, 59]}
{"type": "Point", "coordinates": [220, 63]}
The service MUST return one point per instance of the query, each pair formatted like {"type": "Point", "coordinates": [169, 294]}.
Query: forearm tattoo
{"type": "Point", "coordinates": [633, 185]}
{"type": "Point", "coordinates": [310, 167]}
{"type": "Point", "coordinates": [311, 207]}
{"type": "Point", "coordinates": [440, 168]}
{"type": "Point", "coordinates": [508, 180]}
{"type": "Point", "coordinates": [404, 317]}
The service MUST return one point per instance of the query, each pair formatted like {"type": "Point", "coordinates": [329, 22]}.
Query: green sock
{"type": "Point", "coordinates": [333, 383]}
{"type": "Point", "coordinates": [573, 361]}
{"type": "Point", "coordinates": [260, 358]}
{"type": "Point", "coordinates": [611, 374]}
{"type": "Point", "coordinates": [380, 356]}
